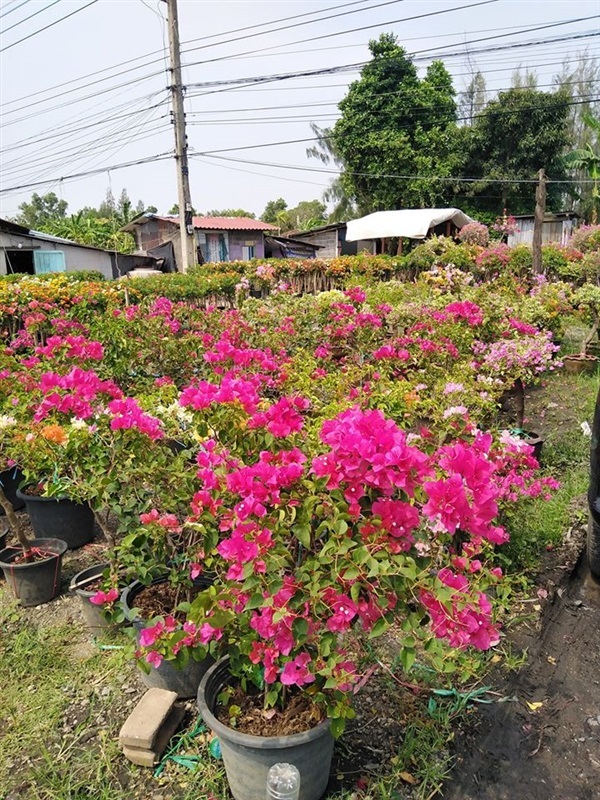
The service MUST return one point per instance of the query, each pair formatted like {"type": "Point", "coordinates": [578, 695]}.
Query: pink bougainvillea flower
{"type": "Point", "coordinates": [296, 672]}
{"type": "Point", "coordinates": [103, 598]}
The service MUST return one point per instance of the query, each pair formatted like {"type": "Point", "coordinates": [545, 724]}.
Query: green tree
{"type": "Point", "coordinates": [307, 214]}
{"type": "Point", "coordinates": [174, 210]}
{"type": "Point", "coordinates": [91, 230]}
{"type": "Point", "coordinates": [231, 212]}
{"type": "Point", "coordinates": [272, 209]}
{"type": "Point", "coordinates": [40, 210]}
{"type": "Point", "coordinates": [587, 159]}
{"type": "Point", "coordinates": [397, 125]}
{"type": "Point", "coordinates": [517, 134]}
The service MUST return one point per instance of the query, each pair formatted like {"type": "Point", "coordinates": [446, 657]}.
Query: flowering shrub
{"type": "Point", "coordinates": [475, 233]}
{"type": "Point", "coordinates": [586, 238]}
{"type": "Point", "coordinates": [505, 226]}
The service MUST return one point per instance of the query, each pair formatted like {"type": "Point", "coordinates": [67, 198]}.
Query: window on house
{"type": "Point", "coordinates": [48, 261]}
{"type": "Point", "coordinates": [247, 252]}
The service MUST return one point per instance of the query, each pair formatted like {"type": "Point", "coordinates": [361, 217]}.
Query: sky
{"type": "Point", "coordinates": [89, 93]}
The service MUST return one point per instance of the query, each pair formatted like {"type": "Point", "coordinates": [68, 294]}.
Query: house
{"type": "Point", "coordinates": [34, 253]}
{"type": "Point", "coordinates": [217, 238]}
{"type": "Point", "coordinates": [331, 239]}
{"type": "Point", "coordinates": [556, 228]}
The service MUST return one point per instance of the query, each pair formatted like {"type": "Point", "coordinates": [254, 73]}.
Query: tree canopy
{"type": "Point", "coordinates": [395, 126]}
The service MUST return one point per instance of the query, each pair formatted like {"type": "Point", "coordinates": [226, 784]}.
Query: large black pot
{"type": "Point", "coordinates": [248, 758]}
{"type": "Point", "coordinates": [60, 518]}
{"type": "Point", "coordinates": [183, 681]}
{"type": "Point", "coordinates": [9, 481]}
{"type": "Point", "coordinates": [39, 581]}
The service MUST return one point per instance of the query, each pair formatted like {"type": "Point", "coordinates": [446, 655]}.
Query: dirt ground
{"type": "Point", "coordinates": [544, 743]}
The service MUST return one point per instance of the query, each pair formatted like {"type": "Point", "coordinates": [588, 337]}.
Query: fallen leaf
{"type": "Point", "coordinates": [551, 660]}
{"type": "Point", "coordinates": [533, 706]}
{"type": "Point", "coordinates": [407, 777]}
{"type": "Point", "coordinates": [496, 659]}
{"type": "Point", "coordinates": [537, 607]}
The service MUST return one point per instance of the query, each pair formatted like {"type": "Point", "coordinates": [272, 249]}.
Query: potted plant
{"type": "Point", "coordinates": [305, 550]}
{"type": "Point", "coordinates": [32, 570]}
{"type": "Point", "coordinates": [587, 300]}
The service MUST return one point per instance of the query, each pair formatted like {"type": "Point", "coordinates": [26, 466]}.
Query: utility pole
{"type": "Point", "coordinates": [186, 226]}
{"type": "Point", "coordinates": [538, 221]}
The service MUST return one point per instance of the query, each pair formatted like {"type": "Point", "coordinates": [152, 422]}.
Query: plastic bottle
{"type": "Point", "coordinates": [283, 782]}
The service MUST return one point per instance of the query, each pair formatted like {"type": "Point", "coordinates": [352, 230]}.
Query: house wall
{"type": "Point", "coordinates": [327, 240]}
{"type": "Point", "coordinates": [239, 239]}
{"type": "Point", "coordinates": [76, 258]}
{"type": "Point", "coordinates": [155, 232]}
{"type": "Point", "coordinates": [552, 231]}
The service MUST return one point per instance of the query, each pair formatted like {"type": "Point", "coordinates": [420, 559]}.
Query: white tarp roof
{"type": "Point", "coordinates": [409, 223]}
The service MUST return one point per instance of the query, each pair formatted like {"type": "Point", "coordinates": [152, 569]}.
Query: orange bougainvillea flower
{"type": "Point", "coordinates": [54, 433]}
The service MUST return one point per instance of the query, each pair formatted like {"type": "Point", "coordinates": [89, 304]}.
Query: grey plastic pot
{"type": "Point", "coordinates": [183, 681]}
{"type": "Point", "coordinates": [60, 517]}
{"type": "Point", "coordinates": [9, 481]}
{"type": "Point", "coordinates": [92, 614]}
{"type": "Point", "coordinates": [248, 758]}
{"type": "Point", "coordinates": [36, 582]}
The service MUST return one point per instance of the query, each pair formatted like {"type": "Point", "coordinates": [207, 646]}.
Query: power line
{"type": "Point", "coordinates": [406, 19]}
{"type": "Point", "coordinates": [16, 8]}
{"type": "Point", "coordinates": [444, 178]}
{"type": "Point", "coordinates": [236, 82]}
{"type": "Point", "coordinates": [156, 60]}
{"type": "Point", "coordinates": [352, 30]}
{"type": "Point", "coordinates": [31, 16]}
{"type": "Point", "coordinates": [112, 168]}
{"type": "Point", "coordinates": [51, 25]}
{"type": "Point", "coordinates": [318, 138]}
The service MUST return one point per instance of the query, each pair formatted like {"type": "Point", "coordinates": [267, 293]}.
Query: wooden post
{"type": "Point", "coordinates": [538, 221]}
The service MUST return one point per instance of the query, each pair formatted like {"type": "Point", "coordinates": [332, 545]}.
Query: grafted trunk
{"type": "Point", "coordinates": [594, 495]}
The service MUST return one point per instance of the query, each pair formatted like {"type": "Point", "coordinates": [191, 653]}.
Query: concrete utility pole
{"type": "Point", "coordinates": [538, 221]}
{"type": "Point", "coordinates": [186, 227]}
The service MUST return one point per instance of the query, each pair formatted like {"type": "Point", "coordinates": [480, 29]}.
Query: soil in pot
{"type": "Point", "coordinates": [248, 758]}
{"type": "Point", "coordinates": [38, 581]}
{"type": "Point", "coordinates": [85, 585]}
{"type": "Point", "coordinates": [160, 599]}
{"type": "Point", "coordinates": [60, 518]}
{"type": "Point", "coordinates": [10, 480]}
{"type": "Point", "coordinates": [298, 716]}
{"type": "Point", "coordinates": [580, 363]}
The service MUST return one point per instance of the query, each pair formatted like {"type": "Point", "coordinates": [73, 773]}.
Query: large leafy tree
{"type": "Point", "coordinates": [396, 137]}
{"type": "Point", "coordinates": [343, 207]}
{"type": "Point", "coordinates": [273, 209]}
{"type": "Point", "coordinates": [517, 134]}
{"type": "Point", "coordinates": [40, 210]}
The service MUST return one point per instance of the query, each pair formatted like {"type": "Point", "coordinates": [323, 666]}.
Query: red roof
{"type": "Point", "coordinates": [227, 224]}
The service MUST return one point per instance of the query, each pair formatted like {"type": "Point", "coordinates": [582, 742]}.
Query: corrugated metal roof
{"type": "Point", "coordinates": [225, 223]}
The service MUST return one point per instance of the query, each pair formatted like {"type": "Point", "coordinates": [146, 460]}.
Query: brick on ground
{"type": "Point", "coordinates": [149, 757]}
{"type": "Point", "coordinates": [141, 727]}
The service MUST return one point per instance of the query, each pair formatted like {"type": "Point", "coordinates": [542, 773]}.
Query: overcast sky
{"type": "Point", "coordinates": [124, 115]}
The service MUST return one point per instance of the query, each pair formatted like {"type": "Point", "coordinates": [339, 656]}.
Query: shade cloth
{"type": "Point", "coordinates": [409, 223]}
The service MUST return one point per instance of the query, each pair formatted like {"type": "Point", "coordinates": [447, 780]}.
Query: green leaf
{"type": "Point", "coordinates": [302, 533]}
{"type": "Point", "coordinates": [337, 726]}
{"type": "Point", "coordinates": [407, 657]}
{"type": "Point", "coordinates": [380, 626]}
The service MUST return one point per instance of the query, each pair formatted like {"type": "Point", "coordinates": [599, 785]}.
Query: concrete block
{"type": "Point", "coordinates": [148, 757]}
{"type": "Point", "coordinates": [141, 727]}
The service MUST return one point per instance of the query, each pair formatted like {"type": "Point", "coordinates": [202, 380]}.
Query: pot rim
{"type": "Point", "coordinates": [580, 357]}
{"type": "Point", "coordinates": [248, 739]}
{"type": "Point", "coordinates": [59, 545]}
{"type": "Point", "coordinates": [84, 592]}
{"type": "Point", "coordinates": [37, 498]}
{"type": "Point", "coordinates": [137, 586]}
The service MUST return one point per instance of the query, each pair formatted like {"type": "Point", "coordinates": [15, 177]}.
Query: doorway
{"type": "Point", "coordinates": [19, 261]}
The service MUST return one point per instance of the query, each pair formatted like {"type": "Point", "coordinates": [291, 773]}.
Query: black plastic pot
{"type": "Point", "coordinates": [9, 481]}
{"type": "Point", "coordinates": [39, 581]}
{"type": "Point", "coordinates": [248, 758]}
{"type": "Point", "coordinates": [533, 440]}
{"type": "Point", "coordinates": [60, 518]}
{"type": "Point", "coordinates": [93, 615]}
{"type": "Point", "coordinates": [183, 681]}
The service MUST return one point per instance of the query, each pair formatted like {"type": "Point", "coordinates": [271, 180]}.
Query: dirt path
{"type": "Point", "coordinates": [549, 751]}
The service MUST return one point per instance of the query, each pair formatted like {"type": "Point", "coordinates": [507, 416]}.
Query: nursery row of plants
{"type": "Point", "coordinates": [277, 479]}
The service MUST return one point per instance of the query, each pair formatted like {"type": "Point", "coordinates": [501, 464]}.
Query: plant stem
{"type": "Point", "coordinates": [520, 403]}
{"type": "Point", "coordinates": [15, 524]}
